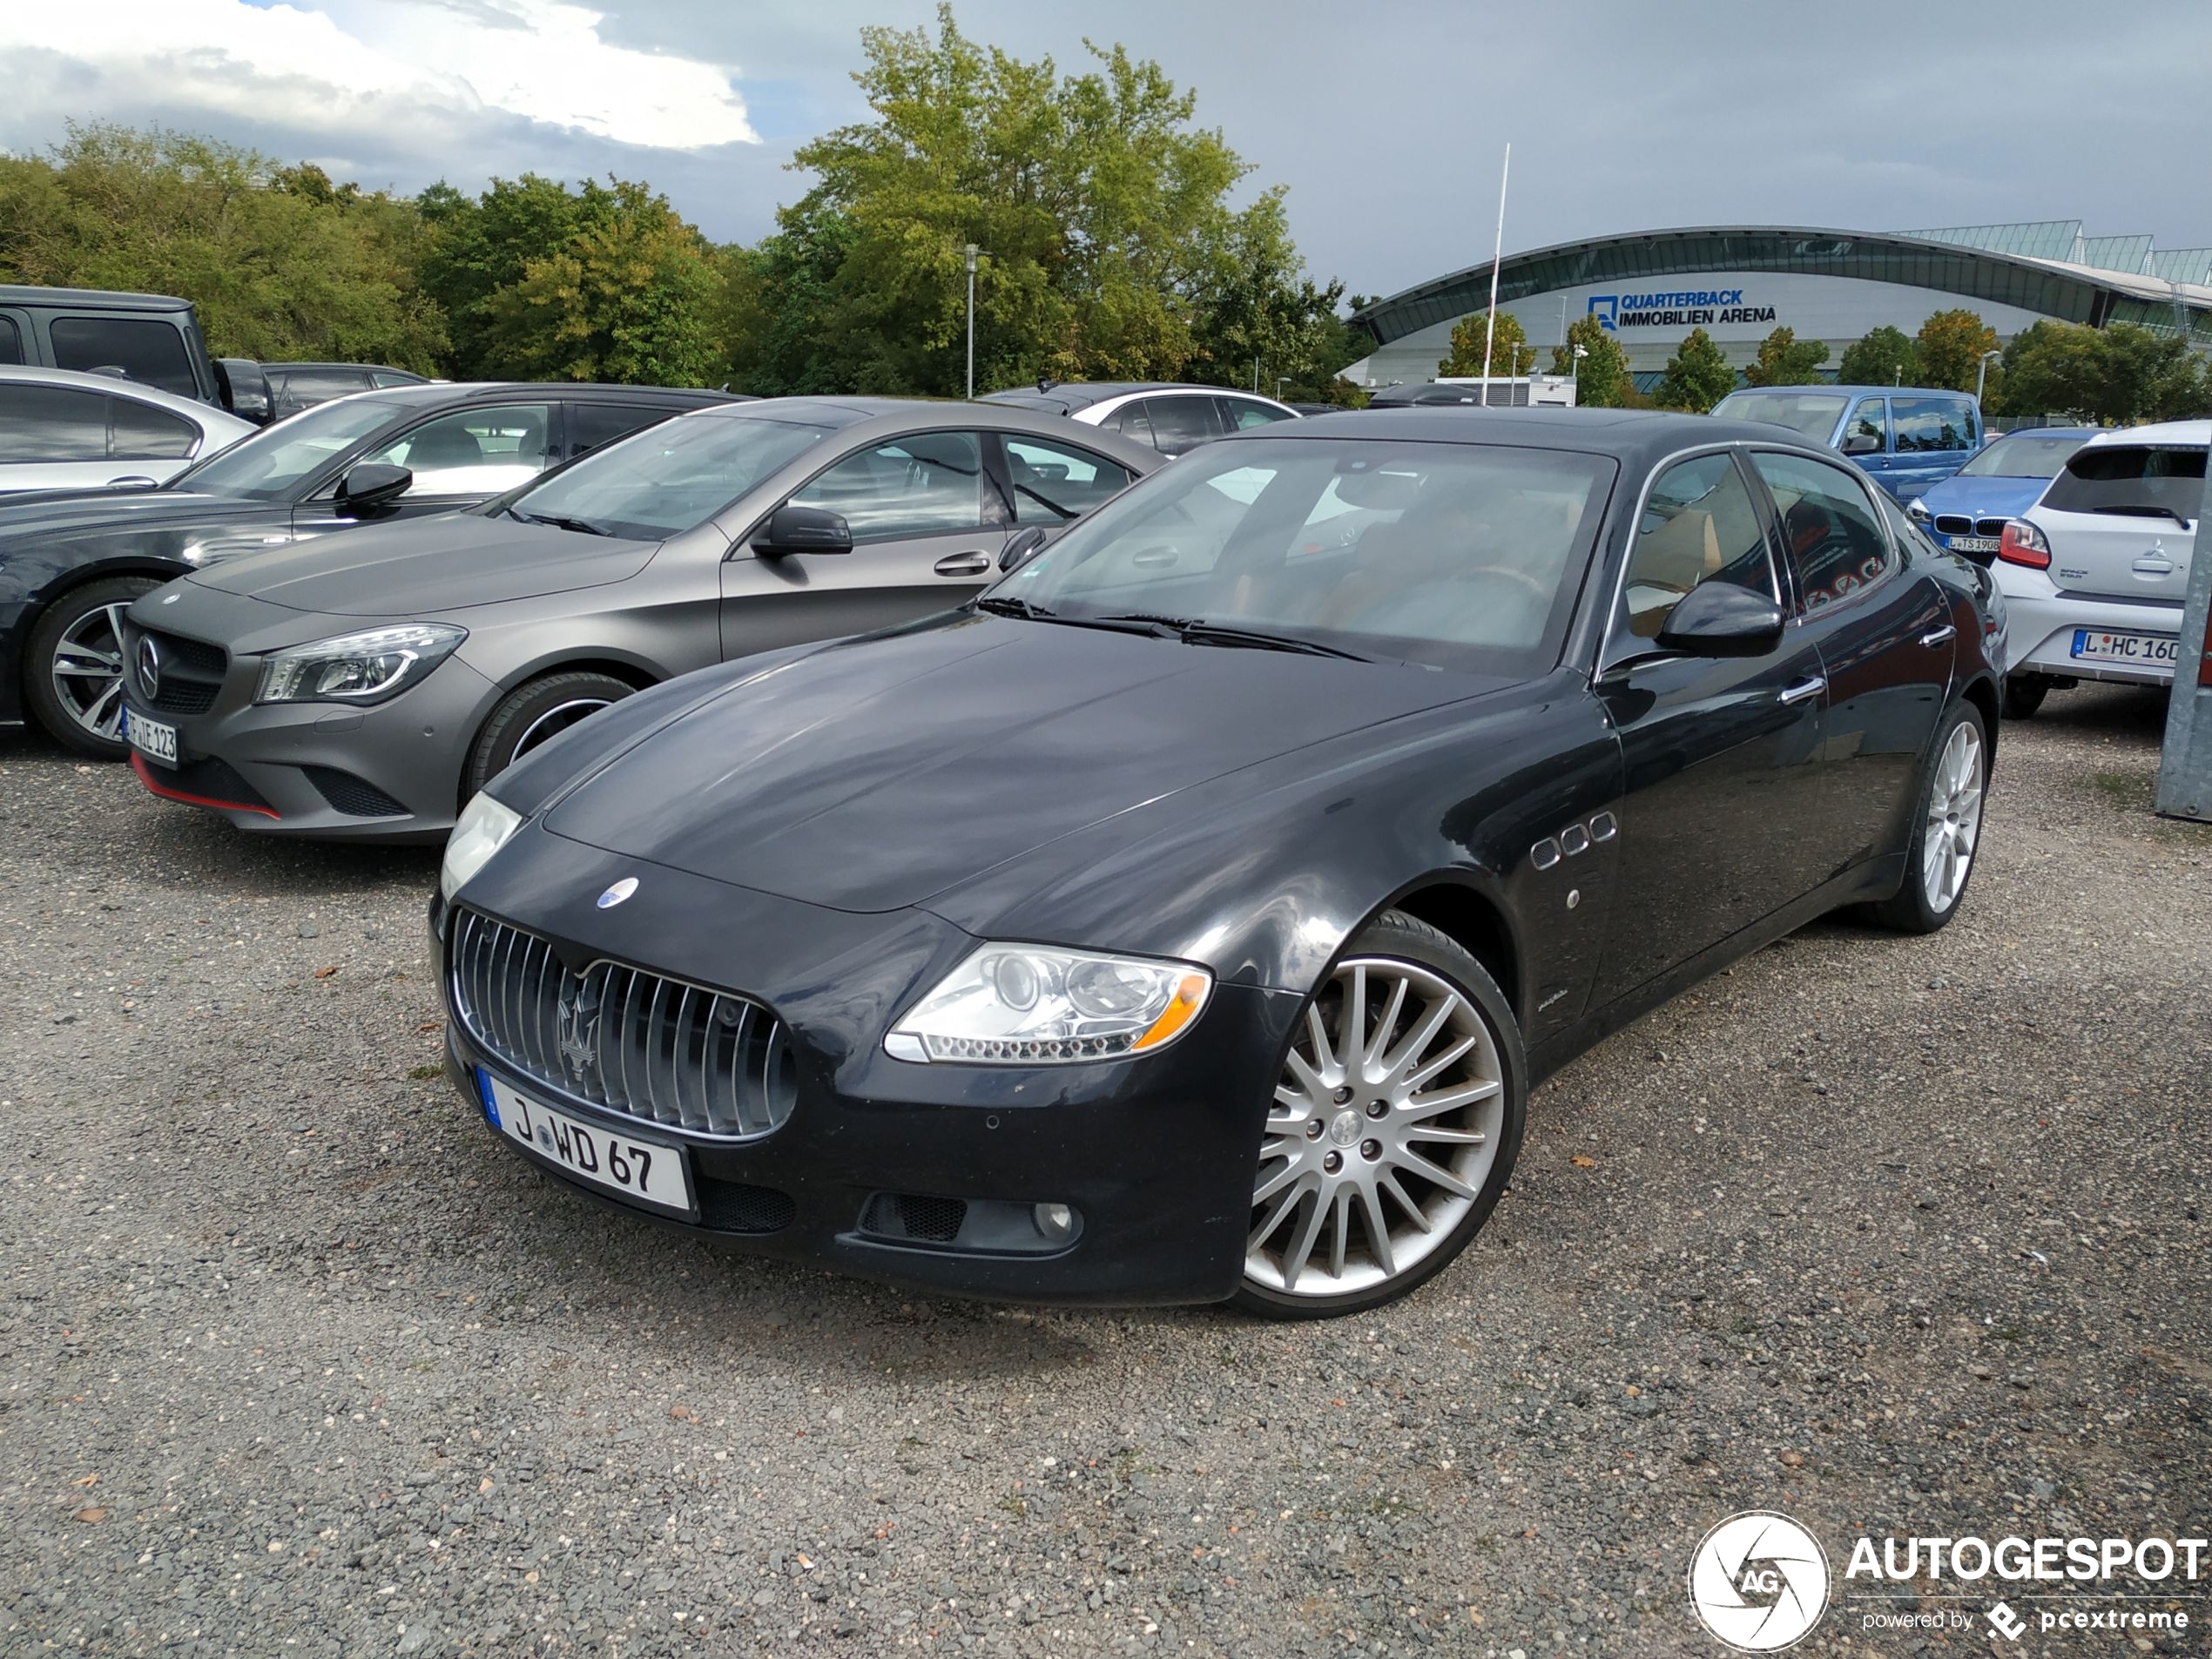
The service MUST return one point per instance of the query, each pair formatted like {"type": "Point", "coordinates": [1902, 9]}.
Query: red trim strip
{"type": "Point", "coordinates": [146, 776]}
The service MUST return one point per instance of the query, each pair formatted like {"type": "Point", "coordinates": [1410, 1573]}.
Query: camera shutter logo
{"type": "Point", "coordinates": [1759, 1581]}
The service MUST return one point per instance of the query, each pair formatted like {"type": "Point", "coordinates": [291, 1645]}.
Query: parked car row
{"type": "Point", "coordinates": [877, 828]}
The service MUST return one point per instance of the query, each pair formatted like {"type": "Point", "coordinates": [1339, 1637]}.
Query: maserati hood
{"type": "Point", "coordinates": [422, 566]}
{"type": "Point", "coordinates": [874, 775]}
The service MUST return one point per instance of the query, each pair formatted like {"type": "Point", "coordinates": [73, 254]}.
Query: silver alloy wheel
{"type": "Point", "coordinates": [1953, 819]}
{"type": "Point", "coordinates": [87, 670]}
{"type": "Point", "coordinates": [1385, 1126]}
{"type": "Point", "coordinates": [553, 721]}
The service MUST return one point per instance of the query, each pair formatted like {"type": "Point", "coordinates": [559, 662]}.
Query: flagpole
{"type": "Point", "coordinates": [1497, 252]}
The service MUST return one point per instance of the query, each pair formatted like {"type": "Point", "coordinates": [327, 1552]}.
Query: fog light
{"type": "Point", "coordinates": [1055, 1221]}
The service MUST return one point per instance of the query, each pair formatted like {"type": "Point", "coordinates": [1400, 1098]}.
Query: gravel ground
{"type": "Point", "coordinates": [1901, 1236]}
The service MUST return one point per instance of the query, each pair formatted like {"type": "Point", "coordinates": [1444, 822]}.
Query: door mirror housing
{"type": "Point", "coordinates": [1720, 619]}
{"type": "Point", "coordinates": [1022, 546]}
{"type": "Point", "coordinates": [372, 485]}
{"type": "Point", "coordinates": [1862, 443]}
{"type": "Point", "coordinates": [793, 528]}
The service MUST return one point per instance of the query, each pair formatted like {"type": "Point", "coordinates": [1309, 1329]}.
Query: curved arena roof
{"type": "Point", "coordinates": [1979, 262]}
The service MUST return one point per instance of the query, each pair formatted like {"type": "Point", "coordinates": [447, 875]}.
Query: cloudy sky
{"type": "Point", "coordinates": [1386, 119]}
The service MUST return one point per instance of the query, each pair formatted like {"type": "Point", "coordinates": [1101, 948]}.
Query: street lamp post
{"type": "Point", "coordinates": [1281, 381]}
{"type": "Point", "coordinates": [1575, 367]}
{"type": "Point", "coordinates": [1981, 374]}
{"type": "Point", "coordinates": [971, 251]}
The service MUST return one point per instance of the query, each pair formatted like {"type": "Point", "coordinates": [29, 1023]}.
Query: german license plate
{"type": "Point", "coordinates": [2145, 650]}
{"type": "Point", "coordinates": [1973, 543]}
{"type": "Point", "coordinates": [638, 1167]}
{"type": "Point", "coordinates": [149, 737]}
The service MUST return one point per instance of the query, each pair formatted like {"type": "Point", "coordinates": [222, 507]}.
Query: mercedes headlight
{"type": "Point", "coordinates": [1027, 1005]}
{"type": "Point", "coordinates": [357, 668]}
{"type": "Point", "coordinates": [482, 830]}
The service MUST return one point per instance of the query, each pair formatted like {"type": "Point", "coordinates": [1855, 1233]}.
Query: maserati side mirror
{"type": "Point", "coordinates": [1720, 619]}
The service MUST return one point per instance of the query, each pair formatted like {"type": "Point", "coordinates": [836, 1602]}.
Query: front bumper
{"type": "Point", "coordinates": [1154, 1155]}
{"type": "Point", "coordinates": [385, 772]}
{"type": "Point", "coordinates": [2042, 620]}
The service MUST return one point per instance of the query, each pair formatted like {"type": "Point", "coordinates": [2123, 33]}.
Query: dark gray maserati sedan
{"type": "Point", "coordinates": [366, 688]}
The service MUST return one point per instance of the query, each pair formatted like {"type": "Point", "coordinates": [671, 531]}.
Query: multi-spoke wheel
{"type": "Point", "coordinates": [74, 666]}
{"type": "Point", "coordinates": [1946, 830]}
{"type": "Point", "coordinates": [1393, 1130]}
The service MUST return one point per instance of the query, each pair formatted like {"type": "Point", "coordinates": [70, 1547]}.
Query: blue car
{"type": "Point", "coordinates": [1906, 438]}
{"type": "Point", "coordinates": [1967, 512]}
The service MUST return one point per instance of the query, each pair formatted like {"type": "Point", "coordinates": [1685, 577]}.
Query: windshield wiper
{"type": "Point", "coordinates": [2148, 511]}
{"type": "Point", "coordinates": [582, 526]}
{"type": "Point", "coordinates": [1197, 631]}
{"type": "Point", "coordinates": [1006, 606]}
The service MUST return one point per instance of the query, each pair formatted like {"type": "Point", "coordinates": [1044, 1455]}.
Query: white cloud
{"type": "Point", "coordinates": [340, 67]}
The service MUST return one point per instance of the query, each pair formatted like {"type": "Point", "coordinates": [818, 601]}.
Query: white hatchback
{"type": "Point", "coordinates": [63, 430]}
{"type": "Point", "coordinates": [2094, 573]}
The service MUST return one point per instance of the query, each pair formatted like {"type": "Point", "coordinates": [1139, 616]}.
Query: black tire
{"type": "Point", "coordinates": [1395, 937]}
{"type": "Point", "coordinates": [529, 714]}
{"type": "Point", "coordinates": [63, 616]}
{"type": "Point", "coordinates": [2024, 694]}
{"type": "Point", "coordinates": [1911, 909]}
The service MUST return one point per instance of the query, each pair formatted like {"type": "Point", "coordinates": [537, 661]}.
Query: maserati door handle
{"type": "Point", "coordinates": [1942, 636]}
{"type": "Point", "coordinates": [1805, 689]}
{"type": "Point", "coordinates": [963, 564]}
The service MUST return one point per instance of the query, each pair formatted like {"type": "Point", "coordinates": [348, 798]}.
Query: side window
{"type": "Point", "coordinates": [145, 433]}
{"type": "Point", "coordinates": [1055, 482]}
{"type": "Point", "coordinates": [10, 341]}
{"type": "Point", "coordinates": [304, 388]}
{"type": "Point", "coordinates": [593, 424]}
{"type": "Point", "coordinates": [1830, 533]}
{"type": "Point", "coordinates": [1133, 422]}
{"type": "Point", "coordinates": [1699, 525]}
{"type": "Point", "coordinates": [394, 377]}
{"type": "Point", "coordinates": [51, 423]}
{"type": "Point", "coordinates": [1181, 423]}
{"type": "Point", "coordinates": [1245, 413]}
{"type": "Point", "coordinates": [929, 484]}
{"type": "Point", "coordinates": [151, 353]}
{"type": "Point", "coordinates": [471, 452]}
{"type": "Point", "coordinates": [1931, 424]}
{"type": "Point", "coordinates": [1869, 420]}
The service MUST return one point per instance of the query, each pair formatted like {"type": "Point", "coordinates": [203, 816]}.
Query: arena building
{"type": "Point", "coordinates": [1740, 282]}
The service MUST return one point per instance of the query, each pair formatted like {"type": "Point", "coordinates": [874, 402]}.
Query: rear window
{"type": "Point", "coordinates": [2022, 456]}
{"type": "Point", "coordinates": [151, 353]}
{"type": "Point", "coordinates": [1812, 415]}
{"type": "Point", "coordinates": [2131, 480]}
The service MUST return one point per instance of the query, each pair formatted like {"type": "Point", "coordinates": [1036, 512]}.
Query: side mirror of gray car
{"type": "Point", "coordinates": [372, 485]}
{"type": "Point", "coordinates": [1862, 443]}
{"type": "Point", "coordinates": [1720, 619]}
{"type": "Point", "coordinates": [1022, 546]}
{"type": "Point", "coordinates": [793, 528]}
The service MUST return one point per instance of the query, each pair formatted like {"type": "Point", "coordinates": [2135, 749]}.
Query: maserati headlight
{"type": "Point", "coordinates": [484, 828]}
{"type": "Point", "coordinates": [357, 668]}
{"type": "Point", "coordinates": [1027, 1005]}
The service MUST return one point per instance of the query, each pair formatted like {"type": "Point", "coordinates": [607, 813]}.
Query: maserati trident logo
{"type": "Point", "coordinates": [149, 667]}
{"type": "Point", "coordinates": [578, 1028]}
{"type": "Point", "coordinates": [618, 893]}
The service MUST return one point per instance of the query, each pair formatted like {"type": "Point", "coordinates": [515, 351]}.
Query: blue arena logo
{"type": "Point", "coordinates": [1694, 309]}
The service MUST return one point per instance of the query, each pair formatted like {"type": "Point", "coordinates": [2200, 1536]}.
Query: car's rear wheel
{"type": "Point", "coordinates": [534, 713]}
{"type": "Point", "coordinates": [2024, 694]}
{"type": "Point", "coordinates": [1393, 1130]}
{"type": "Point", "coordinates": [73, 670]}
{"type": "Point", "coordinates": [1946, 830]}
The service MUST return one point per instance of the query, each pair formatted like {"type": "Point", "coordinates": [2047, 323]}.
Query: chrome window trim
{"type": "Point", "coordinates": [1800, 613]}
{"type": "Point", "coordinates": [1734, 448]}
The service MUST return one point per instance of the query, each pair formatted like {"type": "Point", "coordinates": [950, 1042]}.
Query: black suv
{"type": "Point", "coordinates": [152, 338]}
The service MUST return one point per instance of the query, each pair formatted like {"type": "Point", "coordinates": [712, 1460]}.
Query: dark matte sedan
{"type": "Point", "coordinates": [1189, 916]}
{"type": "Point", "coordinates": [364, 689]}
{"type": "Point", "coordinates": [73, 561]}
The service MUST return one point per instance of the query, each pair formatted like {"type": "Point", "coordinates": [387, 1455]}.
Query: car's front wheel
{"type": "Point", "coordinates": [533, 713]}
{"type": "Point", "coordinates": [1393, 1129]}
{"type": "Point", "coordinates": [73, 667]}
{"type": "Point", "coordinates": [1946, 830]}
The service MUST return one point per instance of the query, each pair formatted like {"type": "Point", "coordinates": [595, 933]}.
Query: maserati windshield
{"type": "Point", "coordinates": [1456, 555]}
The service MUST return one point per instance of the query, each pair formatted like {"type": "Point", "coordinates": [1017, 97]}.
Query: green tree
{"type": "Point", "coordinates": [1697, 375]}
{"type": "Point", "coordinates": [1603, 379]}
{"type": "Point", "coordinates": [1949, 348]}
{"type": "Point", "coordinates": [2055, 368]}
{"type": "Point", "coordinates": [1511, 355]}
{"type": "Point", "coordinates": [1884, 356]}
{"type": "Point", "coordinates": [280, 262]}
{"type": "Point", "coordinates": [2150, 376]}
{"type": "Point", "coordinates": [1257, 311]}
{"type": "Point", "coordinates": [1784, 359]}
